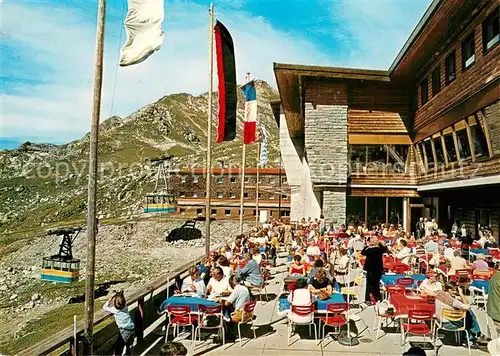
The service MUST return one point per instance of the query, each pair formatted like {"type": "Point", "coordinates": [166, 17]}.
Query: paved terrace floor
{"type": "Point", "coordinates": [271, 330]}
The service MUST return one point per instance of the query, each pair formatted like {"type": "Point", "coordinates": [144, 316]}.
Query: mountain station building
{"type": "Point", "coordinates": [420, 139]}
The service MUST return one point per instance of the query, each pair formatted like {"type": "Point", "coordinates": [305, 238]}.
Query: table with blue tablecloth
{"type": "Point", "coordinates": [480, 284]}
{"type": "Point", "coordinates": [192, 302]}
{"type": "Point", "coordinates": [478, 251]}
{"type": "Point", "coordinates": [284, 304]}
{"type": "Point", "coordinates": [390, 279]}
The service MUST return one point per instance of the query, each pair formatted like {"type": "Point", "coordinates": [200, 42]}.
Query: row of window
{"type": "Point", "coordinates": [220, 180]}
{"type": "Point", "coordinates": [378, 158]}
{"type": "Point", "coordinates": [227, 212]}
{"type": "Point", "coordinates": [491, 37]}
{"type": "Point", "coordinates": [221, 195]}
{"type": "Point", "coordinates": [462, 141]}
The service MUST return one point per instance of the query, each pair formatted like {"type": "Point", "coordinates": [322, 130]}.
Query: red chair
{"type": "Point", "coordinates": [416, 324]}
{"type": "Point", "coordinates": [407, 282]}
{"type": "Point", "coordinates": [395, 289]}
{"type": "Point", "coordinates": [205, 314]}
{"type": "Point", "coordinates": [400, 268]}
{"type": "Point", "coordinates": [377, 324]}
{"type": "Point", "coordinates": [334, 317]}
{"type": "Point", "coordinates": [481, 277]}
{"type": "Point", "coordinates": [246, 318]}
{"type": "Point", "coordinates": [180, 315]}
{"type": "Point", "coordinates": [301, 311]}
{"type": "Point", "coordinates": [462, 277]}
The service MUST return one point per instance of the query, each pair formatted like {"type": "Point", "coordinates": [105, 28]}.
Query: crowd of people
{"type": "Point", "coordinates": [329, 257]}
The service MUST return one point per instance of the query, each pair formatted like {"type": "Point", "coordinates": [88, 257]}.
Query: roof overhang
{"type": "Point", "coordinates": [289, 78]}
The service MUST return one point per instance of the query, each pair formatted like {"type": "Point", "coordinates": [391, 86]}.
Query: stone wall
{"type": "Point", "coordinates": [492, 115]}
{"type": "Point", "coordinates": [334, 206]}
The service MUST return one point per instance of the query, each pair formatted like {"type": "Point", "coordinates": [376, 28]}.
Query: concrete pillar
{"type": "Point", "coordinates": [406, 223]}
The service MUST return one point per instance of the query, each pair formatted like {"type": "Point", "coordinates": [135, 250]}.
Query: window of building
{"type": "Point", "coordinates": [491, 32]}
{"type": "Point", "coordinates": [227, 212]}
{"type": "Point", "coordinates": [284, 181]}
{"type": "Point", "coordinates": [272, 180]}
{"type": "Point", "coordinates": [260, 195]}
{"type": "Point", "coordinates": [245, 195]}
{"type": "Point", "coordinates": [376, 158]}
{"type": "Point", "coordinates": [195, 179]}
{"type": "Point", "coordinates": [462, 140]}
{"type": "Point", "coordinates": [220, 180]}
{"type": "Point", "coordinates": [220, 195]}
{"type": "Point", "coordinates": [195, 195]}
{"type": "Point", "coordinates": [357, 157]}
{"type": "Point", "coordinates": [449, 144]}
{"type": "Point", "coordinates": [183, 179]}
{"type": "Point", "coordinates": [233, 195]}
{"type": "Point", "coordinates": [424, 91]}
{"type": "Point", "coordinates": [254, 212]}
{"type": "Point", "coordinates": [468, 56]}
{"type": "Point", "coordinates": [247, 180]}
{"type": "Point", "coordinates": [260, 180]}
{"type": "Point", "coordinates": [271, 196]}
{"type": "Point", "coordinates": [438, 147]}
{"type": "Point", "coordinates": [182, 211]}
{"type": "Point", "coordinates": [450, 68]}
{"type": "Point", "coordinates": [436, 80]}
{"type": "Point", "coordinates": [429, 156]}
{"type": "Point", "coordinates": [270, 213]}
{"type": "Point", "coordinates": [478, 139]}
{"type": "Point", "coordinates": [232, 179]}
{"type": "Point", "coordinates": [214, 212]}
{"type": "Point", "coordinates": [398, 156]}
{"type": "Point", "coordinates": [199, 211]}
{"type": "Point", "coordinates": [285, 213]}
{"type": "Point", "coordinates": [182, 194]}
{"type": "Point", "coordinates": [285, 196]}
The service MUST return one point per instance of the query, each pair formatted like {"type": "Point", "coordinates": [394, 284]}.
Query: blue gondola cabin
{"type": "Point", "coordinates": [160, 203]}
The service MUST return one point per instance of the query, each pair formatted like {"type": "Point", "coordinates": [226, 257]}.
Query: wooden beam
{"type": "Point", "coordinates": [445, 152]}
{"type": "Point", "coordinates": [366, 211]}
{"type": "Point", "coordinates": [434, 155]}
{"type": "Point", "coordinates": [455, 141]}
{"type": "Point", "coordinates": [426, 161]}
{"type": "Point", "coordinates": [469, 138]}
{"type": "Point", "coordinates": [480, 117]}
{"type": "Point", "coordinates": [378, 139]}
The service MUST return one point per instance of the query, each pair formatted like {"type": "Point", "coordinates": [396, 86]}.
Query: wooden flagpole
{"type": "Point", "coordinates": [209, 128]}
{"type": "Point", "coordinates": [92, 184]}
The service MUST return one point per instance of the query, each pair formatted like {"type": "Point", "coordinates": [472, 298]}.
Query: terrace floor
{"type": "Point", "coordinates": [271, 338]}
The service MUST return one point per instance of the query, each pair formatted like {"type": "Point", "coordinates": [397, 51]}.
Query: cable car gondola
{"type": "Point", "coordinates": [62, 267]}
{"type": "Point", "coordinates": [161, 200]}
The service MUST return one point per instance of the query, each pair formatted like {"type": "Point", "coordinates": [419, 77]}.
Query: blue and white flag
{"type": "Point", "coordinates": [264, 154]}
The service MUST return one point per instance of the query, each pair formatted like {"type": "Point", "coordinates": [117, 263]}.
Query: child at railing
{"type": "Point", "coordinates": [117, 306]}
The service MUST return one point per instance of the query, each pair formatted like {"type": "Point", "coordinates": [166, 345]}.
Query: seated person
{"type": "Point", "coordinates": [404, 253]}
{"type": "Point", "coordinates": [193, 283]}
{"type": "Point", "coordinates": [341, 264]}
{"type": "Point", "coordinates": [430, 286]}
{"type": "Point", "coordinates": [480, 264]}
{"type": "Point", "coordinates": [453, 298]}
{"type": "Point", "coordinates": [218, 284]}
{"type": "Point", "coordinates": [320, 285]}
{"type": "Point", "coordinates": [251, 273]}
{"type": "Point", "coordinates": [431, 246]}
{"type": "Point", "coordinates": [236, 301]}
{"type": "Point", "coordinates": [301, 296]}
{"type": "Point", "coordinates": [304, 258]}
{"type": "Point", "coordinates": [457, 262]}
{"type": "Point", "coordinates": [313, 250]}
{"type": "Point", "coordinates": [296, 267]}
{"type": "Point", "coordinates": [319, 264]}
{"type": "Point", "coordinates": [223, 263]}
{"type": "Point", "coordinates": [448, 251]}
{"type": "Point", "coordinates": [256, 255]}
{"type": "Point", "coordinates": [237, 247]}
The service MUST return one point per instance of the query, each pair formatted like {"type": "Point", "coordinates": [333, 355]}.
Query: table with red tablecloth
{"type": "Point", "coordinates": [404, 303]}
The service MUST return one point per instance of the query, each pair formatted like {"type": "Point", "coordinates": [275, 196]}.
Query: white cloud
{"type": "Point", "coordinates": [61, 41]}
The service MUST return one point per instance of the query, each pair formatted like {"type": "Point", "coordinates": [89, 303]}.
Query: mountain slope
{"type": "Point", "coordinates": [43, 184]}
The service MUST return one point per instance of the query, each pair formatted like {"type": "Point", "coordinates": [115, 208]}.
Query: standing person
{"type": "Point", "coordinates": [428, 225]}
{"type": "Point", "coordinates": [419, 228]}
{"type": "Point", "coordinates": [117, 306]}
{"type": "Point", "coordinates": [373, 267]}
{"type": "Point", "coordinates": [493, 310]}
{"type": "Point", "coordinates": [287, 233]}
{"type": "Point", "coordinates": [321, 225]}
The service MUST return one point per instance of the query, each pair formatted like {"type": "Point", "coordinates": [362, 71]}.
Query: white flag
{"type": "Point", "coordinates": [144, 33]}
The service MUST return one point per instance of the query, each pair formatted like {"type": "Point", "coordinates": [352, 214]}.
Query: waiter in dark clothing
{"type": "Point", "coordinates": [374, 267]}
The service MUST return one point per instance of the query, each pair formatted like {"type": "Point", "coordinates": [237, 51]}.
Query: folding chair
{"type": "Point", "coordinates": [246, 318]}
{"type": "Point", "coordinates": [301, 311]}
{"type": "Point", "coordinates": [453, 316]}
{"type": "Point", "coordinates": [180, 315]}
{"type": "Point", "coordinates": [377, 324]}
{"type": "Point", "coordinates": [207, 312]}
{"type": "Point", "coordinates": [334, 317]}
{"type": "Point", "coordinates": [416, 324]}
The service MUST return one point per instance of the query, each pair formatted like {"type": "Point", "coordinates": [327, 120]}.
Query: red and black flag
{"type": "Point", "coordinates": [226, 72]}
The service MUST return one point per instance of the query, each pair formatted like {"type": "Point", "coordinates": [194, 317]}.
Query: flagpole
{"type": "Point", "coordinates": [209, 127]}
{"type": "Point", "coordinates": [92, 184]}
{"type": "Point", "coordinates": [243, 165]}
{"type": "Point", "coordinates": [257, 183]}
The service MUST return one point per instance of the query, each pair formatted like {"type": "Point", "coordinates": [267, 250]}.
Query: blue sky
{"type": "Point", "coordinates": [48, 51]}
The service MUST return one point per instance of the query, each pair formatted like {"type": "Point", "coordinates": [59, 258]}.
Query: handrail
{"type": "Point", "coordinates": [65, 336]}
